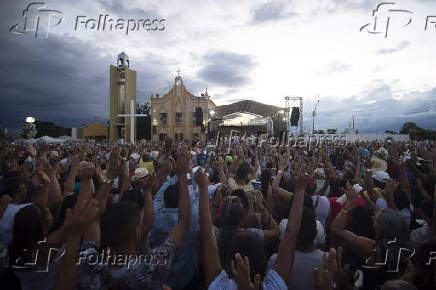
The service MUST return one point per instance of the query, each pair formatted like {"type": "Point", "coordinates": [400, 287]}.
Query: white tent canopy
{"type": "Point", "coordinates": [50, 140]}
{"type": "Point", "coordinates": [244, 119]}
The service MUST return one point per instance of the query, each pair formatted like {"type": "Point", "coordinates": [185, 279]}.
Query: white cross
{"type": "Point", "coordinates": [132, 116]}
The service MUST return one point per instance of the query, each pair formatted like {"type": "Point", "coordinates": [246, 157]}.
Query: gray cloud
{"type": "Point", "coordinates": [338, 66]}
{"type": "Point", "coordinates": [121, 9]}
{"type": "Point", "coordinates": [402, 45]}
{"type": "Point", "coordinates": [376, 109]}
{"type": "Point", "coordinates": [226, 68]}
{"type": "Point", "coordinates": [63, 79]}
{"type": "Point", "coordinates": [271, 11]}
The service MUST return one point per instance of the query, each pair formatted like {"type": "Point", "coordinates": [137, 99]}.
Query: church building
{"type": "Point", "coordinates": [180, 115]}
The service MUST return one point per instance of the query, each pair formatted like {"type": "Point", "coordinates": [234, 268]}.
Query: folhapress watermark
{"type": "Point", "coordinates": [31, 259]}
{"type": "Point", "coordinates": [39, 19]}
{"type": "Point", "coordinates": [107, 23]}
{"type": "Point", "coordinates": [386, 12]}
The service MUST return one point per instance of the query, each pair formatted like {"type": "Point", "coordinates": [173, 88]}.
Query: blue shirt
{"type": "Point", "coordinates": [164, 220]}
{"type": "Point", "coordinates": [271, 281]}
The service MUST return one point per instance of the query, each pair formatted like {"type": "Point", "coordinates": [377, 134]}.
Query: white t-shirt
{"type": "Point", "coordinates": [320, 232]}
{"type": "Point", "coordinates": [7, 222]}
{"type": "Point", "coordinates": [302, 272]}
{"type": "Point", "coordinates": [322, 209]}
{"type": "Point", "coordinates": [271, 281]}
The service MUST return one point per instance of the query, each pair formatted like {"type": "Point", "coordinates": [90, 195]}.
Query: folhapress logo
{"type": "Point", "coordinates": [38, 19]}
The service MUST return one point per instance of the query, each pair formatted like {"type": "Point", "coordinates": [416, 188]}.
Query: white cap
{"type": "Point", "coordinates": [381, 176]}
{"type": "Point", "coordinates": [140, 173]}
{"type": "Point", "coordinates": [135, 156]}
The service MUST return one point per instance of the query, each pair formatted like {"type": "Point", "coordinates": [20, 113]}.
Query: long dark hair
{"type": "Point", "coordinates": [248, 245]}
{"type": "Point", "coordinates": [232, 213]}
{"type": "Point", "coordinates": [265, 181]}
{"type": "Point", "coordinates": [27, 232]}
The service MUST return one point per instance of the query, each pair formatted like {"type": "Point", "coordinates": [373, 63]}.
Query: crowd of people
{"type": "Point", "coordinates": [239, 214]}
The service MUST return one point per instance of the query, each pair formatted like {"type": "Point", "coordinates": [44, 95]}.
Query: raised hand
{"type": "Point", "coordinates": [114, 164]}
{"type": "Point", "coordinates": [43, 150]}
{"type": "Point", "coordinates": [324, 278]}
{"type": "Point", "coordinates": [43, 177]}
{"type": "Point", "coordinates": [30, 149]}
{"type": "Point", "coordinates": [283, 162]}
{"type": "Point", "coordinates": [241, 273]}
{"type": "Point", "coordinates": [182, 164]}
{"type": "Point", "coordinates": [201, 178]}
{"type": "Point", "coordinates": [352, 196]}
{"type": "Point", "coordinates": [391, 186]}
{"type": "Point", "coordinates": [77, 220]}
{"type": "Point", "coordinates": [221, 162]}
{"type": "Point", "coordinates": [342, 278]}
{"type": "Point", "coordinates": [302, 174]}
{"type": "Point", "coordinates": [259, 199]}
{"type": "Point", "coordinates": [47, 166]}
{"type": "Point", "coordinates": [86, 170]}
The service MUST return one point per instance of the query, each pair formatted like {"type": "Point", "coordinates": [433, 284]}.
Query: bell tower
{"type": "Point", "coordinates": [122, 90]}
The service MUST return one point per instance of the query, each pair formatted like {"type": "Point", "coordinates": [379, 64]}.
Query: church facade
{"type": "Point", "coordinates": [180, 115]}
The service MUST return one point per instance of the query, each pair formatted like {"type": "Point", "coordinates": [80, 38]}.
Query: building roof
{"type": "Point", "coordinates": [247, 106]}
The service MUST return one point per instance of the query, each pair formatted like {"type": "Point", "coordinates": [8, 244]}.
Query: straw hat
{"type": "Point", "coordinates": [378, 164]}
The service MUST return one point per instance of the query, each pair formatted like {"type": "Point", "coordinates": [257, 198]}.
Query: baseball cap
{"type": "Point", "coordinates": [381, 176]}
{"type": "Point", "coordinates": [140, 173]}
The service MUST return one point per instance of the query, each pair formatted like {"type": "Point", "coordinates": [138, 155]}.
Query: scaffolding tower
{"type": "Point", "coordinates": [288, 101]}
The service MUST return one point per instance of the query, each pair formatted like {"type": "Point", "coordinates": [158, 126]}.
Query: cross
{"type": "Point", "coordinates": [178, 72]}
{"type": "Point", "coordinates": [132, 116]}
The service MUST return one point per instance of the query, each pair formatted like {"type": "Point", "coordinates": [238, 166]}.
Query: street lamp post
{"type": "Point", "coordinates": [30, 127]}
{"type": "Point", "coordinates": [313, 117]}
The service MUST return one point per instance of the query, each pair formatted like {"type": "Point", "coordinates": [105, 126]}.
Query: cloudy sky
{"type": "Point", "coordinates": [245, 49]}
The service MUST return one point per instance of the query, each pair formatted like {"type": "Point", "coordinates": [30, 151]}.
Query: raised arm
{"type": "Point", "coordinates": [209, 247]}
{"type": "Point", "coordinates": [283, 194]}
{"type": "Point", "coordinates": [360, 245]}
{"type": "Point", "coordinates": [75, 222]}
{"type": "Point", "coordinates": [4, 202]}
{"type": "Point", "coordinates": [147, 221]}
{"type": "Point", "coordinates": [54, 193]}
{"type": "Point", "coordinates": [286, 252]}
{"type": "Point", "coordinates": [41, 199]}
{"type": "Point", "coordinates": [369, 184]}
{"type": "Point", "coordinates": [326, 184]}
{"type": "Point", "coordinates": [390, 187]}
{"type": "Point", "coordinates": [182, 168]}
{"type": "Point", "coordinates": [404, 181]}
{"type": "Point", "coordinates": [221, 165]}
{"type": "Point", "coordinates": [74, 170]}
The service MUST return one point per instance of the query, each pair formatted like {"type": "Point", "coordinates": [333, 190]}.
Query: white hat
{"type": "Point", "coordinates": [135, 156]}
{"type": "Point", "coordinates": [378, 164]}
{"type": "Point", "coordinates": [382, 151]}
{"type": "Point", "coordinates": [319, 172]}
{"type": "Point", "coordinates": [381, 176]}
{"type": "Point", "coordinates": [140, 173]}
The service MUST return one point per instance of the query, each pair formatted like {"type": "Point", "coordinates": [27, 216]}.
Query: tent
{"type": "Point", "coordinates": [50, 140]}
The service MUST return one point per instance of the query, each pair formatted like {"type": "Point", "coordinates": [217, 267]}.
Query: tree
{"type": "Point", "coordinates": [143, 124]}
{"type": "Point", "coordinates": [144, 108]}
{"type": "Point", "coordinates": [408, 126]}
{"type": "Point", "coordinates": [331, 131]}
{"type": "Point", "coordinates": [417, 133]}
{"type": "Point", "coordinates": [49, 129]}
{"type": "Point", "coordinates": [390, 132]}
{"type": "Point", "coordinates": [321, 132]}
